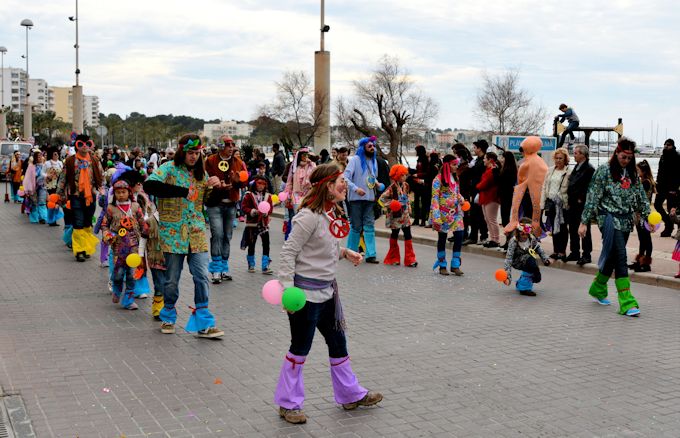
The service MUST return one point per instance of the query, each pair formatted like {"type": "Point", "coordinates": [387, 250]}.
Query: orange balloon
{"type": "Point", "coordinates": [68, 205]}
{"type": "Point", "coordinates": [53, 198]}
{"type": "Point", "coordinates": [501, 275]}
{"type": "Point", "coordinates": [465, 206]}
{"type": "Point", "coordinates": [51, 205]}
{"type": "Point", "coordinates": [243, 176]}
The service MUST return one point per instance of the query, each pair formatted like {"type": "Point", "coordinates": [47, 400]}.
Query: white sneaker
{"type": "Point", "coordinates": [167, 328]}
{"type": "Point", "coordinates": [142, 297]}
{"type": "Point", "coordinates": [110, 286]}
{"type": "Point", "coordinates": [216, 277]}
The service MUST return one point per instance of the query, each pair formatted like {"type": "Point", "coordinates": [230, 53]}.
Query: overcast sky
{"type": "Point", "coordinates": [219, 58]}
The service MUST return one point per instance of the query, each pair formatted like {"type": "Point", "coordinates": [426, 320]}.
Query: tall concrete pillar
{"type": "Point", "coordinates": [77, 96]}
{"type": "Point", "coordinates": [322, 99]}
{"type": "Point", "coordinates": [3, 124]}
{"type": "Point", "coordinates": [28, 120]}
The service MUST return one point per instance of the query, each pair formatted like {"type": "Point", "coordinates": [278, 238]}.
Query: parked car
{"type": "Point", "coordinates": [7, 149]}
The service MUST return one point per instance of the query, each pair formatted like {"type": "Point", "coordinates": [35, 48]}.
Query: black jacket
{"type": "Point", "coordinates": [476, 173]}
{"type": "Point", "coordinates": [668, 177]}
{"type": "Point", "coordinates": [579, 180]}
{"type": "Point", "coordinates": [279, 164]}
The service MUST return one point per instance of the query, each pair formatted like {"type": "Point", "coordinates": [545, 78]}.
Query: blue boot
{"type": "Point", "coordinates": [251, 263]}
{"type": "Point", "coordinates": [265, 265]}
{"type": "Point", "coordinates": [215, 269]}
{"type": "Point", "coordinates": [440, 263]}
{"type": "Point", "coordinates": [455, 264]}
{"type": "Point", "coordinates": [525, 284]}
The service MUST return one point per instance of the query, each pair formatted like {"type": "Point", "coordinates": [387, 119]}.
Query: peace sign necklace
{"type": "Point", "coordinates": [339, 226]}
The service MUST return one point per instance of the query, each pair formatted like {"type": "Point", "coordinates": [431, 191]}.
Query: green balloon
{"type": "Point", "coordinates": [293, 299]}
{"type": "Point", "coordinates": [94, 220]}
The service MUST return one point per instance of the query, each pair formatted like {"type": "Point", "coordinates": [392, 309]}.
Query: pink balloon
{"type": "Point", "coordinates": [283, 196]}
{"type": "Point", "coordinates": [272, 292]}
{"type": "Point", "coordinates": [264, 207]}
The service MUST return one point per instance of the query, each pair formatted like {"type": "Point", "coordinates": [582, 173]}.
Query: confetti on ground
{"type": "Point", "coordinates": [218, 381]}
{"type": "Point", "coordinates": [107, 390]}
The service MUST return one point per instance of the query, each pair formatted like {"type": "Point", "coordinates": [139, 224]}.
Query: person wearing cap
{"type": "Point", "coordinates": [78, 184]}
{"type": "Point", "coordinates": [614, 197]}
{"type": "Point", "coordinates": [361, 175]}
{"type": "Point", "coordinates": [123, 227]}
{"type": "Point", "coordinates": [181, 187]}
{"type": "Point", "coordinates": [221, 206]}
{"type": "Point", "coordinates": [570, 115]}
{"type": "Point", "coordinates": [257, 221]}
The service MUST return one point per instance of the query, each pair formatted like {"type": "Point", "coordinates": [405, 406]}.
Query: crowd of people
{"type": "Point", "coordinates": [156, 210]}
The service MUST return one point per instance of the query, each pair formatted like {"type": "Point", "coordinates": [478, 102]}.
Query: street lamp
{"type": "Point", "coordinates": [3, 119]}
{"type": "Point", "coordinates": [322, 89]}
{"type": "Point", "coordinates": [28, 115]}
{"type": "Point", "coordinates": [77, 93]}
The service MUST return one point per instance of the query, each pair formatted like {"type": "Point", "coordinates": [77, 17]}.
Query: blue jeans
{"type": "Point", "coordinates": [221, 218]}
{"type": "Point", "coordinates": [361, 217]}
{"type": "Point", "coordinates": [198, 266]}
{"type": "Point", "coordinates": [617, 262]}
{"type": "Point", "coordinates": [124, 274]}
{"type": "Point", "coordinates": [303, 325]}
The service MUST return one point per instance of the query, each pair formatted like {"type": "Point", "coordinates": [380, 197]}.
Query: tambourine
{"type": "Point", "coordinates": [122, 232]}
{"type": "Point", "coordinates": [223, 166]}
{"type": "Point", "coordinates": [339, 228]}
{"type": "Point", "coordinates": [126, 223]}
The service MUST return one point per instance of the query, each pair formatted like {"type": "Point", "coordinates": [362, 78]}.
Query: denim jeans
{"type": "Point", "coordinates": [303, 325]}
{"type": "Point", "coordinates": [123, 274]}
{"type": "Point", "coordinates": [361, 217]}
{"type": "Point", "coordinates": [198, 266]}
{"type": "Point", "coordinates": [617, 262]}
{"type": "Point", "coordinates": [82, 214]}
{"type": "Point", "coordinates": [221, 218]}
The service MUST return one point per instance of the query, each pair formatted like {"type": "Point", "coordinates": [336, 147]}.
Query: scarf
{"type": "Point", "coordinates": [84, 179]}
{"type": "Point", "coordinates": [313, 284]}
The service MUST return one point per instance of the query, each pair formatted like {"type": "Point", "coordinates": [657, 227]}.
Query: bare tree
{"type": "Point", "coordinates": [294, 108]}
{"type": "Point", "coordinates": [506, 108]}
{"type": "Point", "coordinates": [389, 103]}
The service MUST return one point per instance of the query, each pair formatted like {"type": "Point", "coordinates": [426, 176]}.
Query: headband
{"type": "Point", "coordinates": [192, 144]}
{"type": "Point", "coordinates": [525, 228]}
{"type": "Point", "coordinates": [618, 149]}
{"type": "Point", "coordinates": [326, 179]}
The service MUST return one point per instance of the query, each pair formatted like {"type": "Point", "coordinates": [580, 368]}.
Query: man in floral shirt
{"type": "Point", "coordinates": [181, 186]}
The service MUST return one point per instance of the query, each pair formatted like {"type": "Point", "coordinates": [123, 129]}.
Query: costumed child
{"type": "Point", "coordinates": [309, 260]}
{"type": "Point", "coordinates": [446, 214]}
{"type": "Point", "coordinates": [523, 251]}
{"type": "Point", "coordinates": [674, 215]}
{"type": "Point", "coordinates": [398, 217]}
{"type": "Point", "coordinates": [35, 193]}
{"type": "Point", "coordinates": [257, 222]}
{"type": "Point", "coordinates": [123, 227]}
{"type": "Point", "coordinates": [149, 248]}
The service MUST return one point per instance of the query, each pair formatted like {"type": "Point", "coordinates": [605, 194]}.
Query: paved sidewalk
{"type": "Point", "coordinates": [454, 356]}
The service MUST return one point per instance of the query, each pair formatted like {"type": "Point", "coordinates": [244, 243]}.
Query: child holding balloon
{"type": "Point", "coordinates": [123, 226]}
{"type": "Point", "coordinates": [398, 217]}
{"type": "Point", "coordinates": [256, 205]}
{"type": "Point", "coordinates": [523, 251]}
{"type": "Point", "coordinates": [309, 261]}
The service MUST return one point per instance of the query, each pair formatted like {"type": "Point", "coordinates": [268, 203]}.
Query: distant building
{"type": "Point", "coordinates": [62, 106]}
{"type": "Point", "coordinates": [227, 127]}
{"type": "Point", "coordinates": [465, 136]}
{"type": "Point", "coordinates": [14, 82]}
{"type": "Point", "coordinates": [39, 95]}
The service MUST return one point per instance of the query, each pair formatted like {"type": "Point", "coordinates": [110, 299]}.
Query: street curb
{"type": "Point", "coordinates": [591, 268]}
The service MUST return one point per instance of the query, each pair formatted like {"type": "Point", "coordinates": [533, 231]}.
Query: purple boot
{"type": "Point", "coordinates": [290, 391]}
{"type": "Point", "coordinates": [345, 384]}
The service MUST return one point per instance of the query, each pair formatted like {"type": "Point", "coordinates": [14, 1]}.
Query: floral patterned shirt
{"type": "Point", "coordinates": [181, 221]}
{"type": "Point", "coordinates": [622, 199]}
{"type": "Point", "coordinates": [446, 213]}
{"type": "Point", "coordinates": [402, 218]}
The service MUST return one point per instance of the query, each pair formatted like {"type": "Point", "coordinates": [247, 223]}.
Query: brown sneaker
{"type": "Point", "coordinates": [212, 332]}
{"type": "Point", "coordinates": [443, 271]}
{"type": "Point", "coordinates": [293, 416]}
{"type": "Point", "coordinates": [167, 328]}
{"type": "Point", "coordinates": [371, 398]}
{"type": "Point", "coordinates": [457, 272]}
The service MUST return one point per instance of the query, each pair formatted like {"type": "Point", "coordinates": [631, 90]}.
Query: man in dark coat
{"type": "Point", "coordinates": [667, 182]}
{"type": "Point", "coordinates": [477, 222]}
{"type": "Point", "coordinates": [577, 189]}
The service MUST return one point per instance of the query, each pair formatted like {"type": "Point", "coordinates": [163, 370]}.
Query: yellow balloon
{"type": "Point", "coordinates": [133, 260]}
{"type": "Point", "coordinates": [275, 199]}
{"type": "Point", "coordinates": [654, 218]}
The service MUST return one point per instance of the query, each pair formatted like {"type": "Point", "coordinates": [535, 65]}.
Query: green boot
{"type": "Point", "coordinates": [599, 287]}
{"type": "Point", "coordinates": [626, 299]}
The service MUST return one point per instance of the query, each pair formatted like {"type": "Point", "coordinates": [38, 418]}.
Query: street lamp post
{"type": "Point", "coordinates": [77, 92]}
{"type": "Point", "coordinates": [28, 113]}
{"type": "Point", "coordinates": [3, 117]}
{"type": "Point", "coordinates": [322, 90]}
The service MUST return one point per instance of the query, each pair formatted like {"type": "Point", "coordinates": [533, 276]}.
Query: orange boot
{"type": "Point", "coordinates": [393, 257]}
{"type": "Point", "coordinates": [409, 255]}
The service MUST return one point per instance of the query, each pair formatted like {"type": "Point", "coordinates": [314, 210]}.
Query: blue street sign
{"type": "Point", "coordinates": [513, 142]}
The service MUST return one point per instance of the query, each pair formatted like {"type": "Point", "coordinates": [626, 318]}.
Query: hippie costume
{"type": "Point", "coordinates": [397, 206]}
